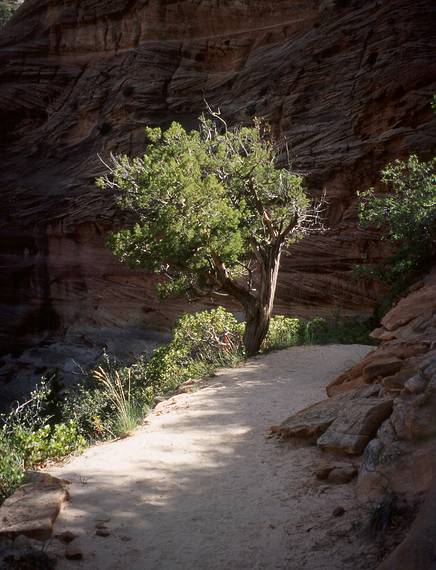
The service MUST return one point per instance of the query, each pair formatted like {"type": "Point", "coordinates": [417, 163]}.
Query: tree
{"type": "Point", "coordinates": [406, 215]}
{"type": "Point", "coordinates": [213, 214]}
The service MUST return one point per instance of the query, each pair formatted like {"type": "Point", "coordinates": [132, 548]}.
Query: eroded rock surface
{"type": "Point", "coordinates": [33, 508]}
{"type": "Point", "coordinates": [349, 84]}
{"type": "Point", "coordinates": [385, 405]}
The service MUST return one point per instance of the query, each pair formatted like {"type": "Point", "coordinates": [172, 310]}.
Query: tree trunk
{"type": "Point", "coordinates": [258, 307]}
{"type": "Point", "coordinates": [257, 322]}
{"type": "Point", "coordinates": [258, 312]}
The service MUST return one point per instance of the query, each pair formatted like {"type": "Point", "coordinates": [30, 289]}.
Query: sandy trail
{"type": "Point", "coordinates": [199, 487]}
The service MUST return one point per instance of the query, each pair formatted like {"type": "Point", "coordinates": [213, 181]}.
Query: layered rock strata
{"type": "Point", "coordinates": [385, 405]}
{"type": "Point", "coordinates": [384, 409]}
{"type": "Point", "coordinates": [349, 84]}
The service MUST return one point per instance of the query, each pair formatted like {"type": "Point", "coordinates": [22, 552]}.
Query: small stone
{"type": "Point", "coordinates": [338, 511]}
{"type": "Point", "coordinates": [125, 538]}
{"type": "Point", "coordinates": [342, 475]}
{"type": "Point", "coordinates": [66, 536]}
{"type": "Point", "coordinates": [102, 531]}
{"type": "Point", "coordinates": [73, 551]}
{"type": "Point", "coordinates": [323, 472]}
{"type": "Point", "coordinates": [100, 525]}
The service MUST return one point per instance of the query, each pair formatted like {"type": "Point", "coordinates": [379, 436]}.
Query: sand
{"type": "Point", "coordinates": [200, 486]}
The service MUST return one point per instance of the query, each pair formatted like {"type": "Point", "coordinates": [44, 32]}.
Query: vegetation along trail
{"type": "Point", "coordinates": [199, 486]}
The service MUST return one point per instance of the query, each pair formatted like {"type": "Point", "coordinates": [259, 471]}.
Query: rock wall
{"type": "Point", "coordinates": [384, 407]}
{"type": "Point", "coordinates": [349, 84]}
{"type": "Point", "coordinates": [381, 414]}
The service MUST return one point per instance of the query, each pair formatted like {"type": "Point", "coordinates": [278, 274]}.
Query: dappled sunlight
{"type": "Point", "coordinates": [199, 485]}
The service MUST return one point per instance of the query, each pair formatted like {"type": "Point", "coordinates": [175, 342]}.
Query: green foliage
{"type": "Point", "coordinates": [45, 442]}
{"type": "Point", "coordinates": [7, 8]}
{"type": "Point", "coordinates": [283, 332]}
{"type": "Point", "coordinates": [110, 400]}
{"type": "Point", "coordinates": [406, 214]}
{"type": "Point", "coordinates": [201, 343]}
{"type": "Point", "coordinates": [336, 330]}
{"type": "Point", "coordinates": [29, 436]}
{"type": "Point", "coordinates": [204, 199]}
{"type": "Point", "coordinates": [117, 384]}
{"type": "Point", "coordinates": [11, 467]}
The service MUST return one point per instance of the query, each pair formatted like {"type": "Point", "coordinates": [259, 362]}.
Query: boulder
{"type": "Point", "coordinates": [417, 304]}
{"type": "Point", "coordinates": [381, 367]}
{"type": "Point", "coordinates": [342, 475]}
{"type": "Point", "coordinates": [355, 425]}
{"type": "Point", "coordinates": [73, 550]}
{"type": "Point", "coordinates": [33, 508]}
{"type": "Point", "coordinates": [396, 382]}
{"type": "Point", "coordinates": [312, 421]}
{"type": "Point", "coordinates": [415, 385]}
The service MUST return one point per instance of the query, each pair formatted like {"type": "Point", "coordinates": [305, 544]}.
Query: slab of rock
{"type": "Point", "coordinates": [33, 508]}
{"type": "Point", "coordinates": [414, 305]}
{"type": "Point", "coordinates": [102, 531]}
{"type": "Point", "coordinates": [355, 425]}
{"type": "Point", "coordinates": [415, 385]}
{"type": "Point", "coordinates": [312, 421]}
{"type": "Point", "coordinates": [379, 368]}
{"type": "Point", "coordinates": [397, 381]}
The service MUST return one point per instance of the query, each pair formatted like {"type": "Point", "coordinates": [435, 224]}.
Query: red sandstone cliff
{"type": "Point", "coordinates": [348, 82]}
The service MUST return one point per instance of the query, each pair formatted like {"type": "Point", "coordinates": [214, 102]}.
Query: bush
{"type": "Point", "coordinates": [201, 343]}
{"type": "Point", "coordinates": [336, 330]}
{"type": "Point", "coordinates": [29, 436]}
{"type": "Point", "coordinates": [110, 400]}
{"type": "Point", "coordinates": [283, 332]}
{"type": "Point", "coordinates": [11, 467]}
{"type": "Point", "coordinates": [406, 215]}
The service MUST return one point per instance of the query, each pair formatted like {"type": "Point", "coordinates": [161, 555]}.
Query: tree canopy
{"type": "Point", "coordinates": [212, 209]}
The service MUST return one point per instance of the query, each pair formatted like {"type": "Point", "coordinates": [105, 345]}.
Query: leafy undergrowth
{"type": "Point", "coordinates": [111, 400]}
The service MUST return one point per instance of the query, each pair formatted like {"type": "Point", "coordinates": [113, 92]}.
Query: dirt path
{"type": "Point", "coordinates": [200, 487]}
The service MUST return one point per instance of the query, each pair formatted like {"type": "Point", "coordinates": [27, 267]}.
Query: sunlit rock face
{"type": "Point", "coordinates": [347, 82]}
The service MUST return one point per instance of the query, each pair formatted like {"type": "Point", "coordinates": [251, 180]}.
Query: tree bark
{"type": "Point", "coordinates": [258, 311]}
{"type": "Point", "coordinates": [258, 307]}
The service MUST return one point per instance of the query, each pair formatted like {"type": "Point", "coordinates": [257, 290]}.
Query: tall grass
{"type": "Point", "coordinates": [118, 391]}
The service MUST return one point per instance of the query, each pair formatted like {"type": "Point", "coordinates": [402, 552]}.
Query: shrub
{"type": "Point", "coordinates": [406, 215]}
{"type": "Point", "coordinates": [283, 332]}
{"type": "Point", "coordinates": [201, 343]}
{"type": "Point", "coordinates": [110, 400]}
{"type": "Point", "coordinates": [11, 467]}
{"type": "Point", "coordinates": [29, 436]}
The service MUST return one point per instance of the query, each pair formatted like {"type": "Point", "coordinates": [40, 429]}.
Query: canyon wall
{"type": "Point", "coordinates": [348, 82]}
